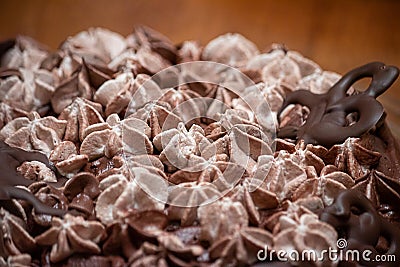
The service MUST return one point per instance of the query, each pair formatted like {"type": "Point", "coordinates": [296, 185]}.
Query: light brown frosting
{"type": "Point", "coordinates": [189, 51]}
{"type": "Point", "coordinates": [221, 218]}
{"type": "Point", "coordinates": [183, 175]}
{"type": "Point", "coordinates": [79, 115]}
{"type": "Point", "coordinates": [34, 132]}
{"type": "Point", "coordinates": [72, 235]}
{"type": "Point", "coordinates": [120, 196]}
{"type": "Point", "coordinates": [27, 89]}
{"type": "Point", "coordinates": [15, 239]}
{"type": "Point", "coordinates": [26, 53]}
{"type": "Point", "coordinates": [230, 49]}
{"type": "Point", "coordinates": [96, 45]}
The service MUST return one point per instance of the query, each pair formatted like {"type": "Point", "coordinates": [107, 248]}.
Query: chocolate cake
{"type": "Point", "coordinates": [134, 151]}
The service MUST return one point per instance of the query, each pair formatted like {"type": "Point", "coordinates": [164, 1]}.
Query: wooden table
{"type": "Point", "coordinates": [339, 35]}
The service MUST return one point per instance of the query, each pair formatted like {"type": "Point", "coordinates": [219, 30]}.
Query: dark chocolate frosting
{"type": "Point", "coordinates": [11, 158]}
{"type": "Point", "coordinates": [327, 123]}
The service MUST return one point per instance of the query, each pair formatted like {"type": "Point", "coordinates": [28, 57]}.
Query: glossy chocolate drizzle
{"type": "Point", "coordinates": [327, 123]}
{"type": "Point", "coordinates": [355, 217]}
{"type": "Point", "coordinates": [11, 158]}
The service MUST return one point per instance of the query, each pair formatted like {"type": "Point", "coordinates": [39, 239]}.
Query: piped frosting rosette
{"type": "Point", "coordinates": [207, 122]}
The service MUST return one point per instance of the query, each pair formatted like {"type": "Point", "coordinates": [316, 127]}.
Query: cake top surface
{"type": "Point", "coordinates": [131, 151]}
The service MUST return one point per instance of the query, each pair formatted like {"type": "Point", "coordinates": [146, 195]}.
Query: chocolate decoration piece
{"type": "Point", "coordinates": [11, 158]}
{"type": "Point", "coordinates": [326, 123]}
{"type": "Point", "coordinates": [355, 216]}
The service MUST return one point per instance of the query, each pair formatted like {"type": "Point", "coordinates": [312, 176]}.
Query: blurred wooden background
{"type": "Point", "coordinates": [339, 35]}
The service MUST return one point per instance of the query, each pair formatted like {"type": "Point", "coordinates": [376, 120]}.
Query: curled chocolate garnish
{"type": "Point", "coordinates": [327, 123]}
{"type": "Point", "coordinates": [355, 216]}
{"type": "Point", "coordinates": [11, 158]}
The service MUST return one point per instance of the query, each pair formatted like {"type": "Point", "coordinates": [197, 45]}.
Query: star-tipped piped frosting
{"type": "Point", "coordinates": [78, 175]}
